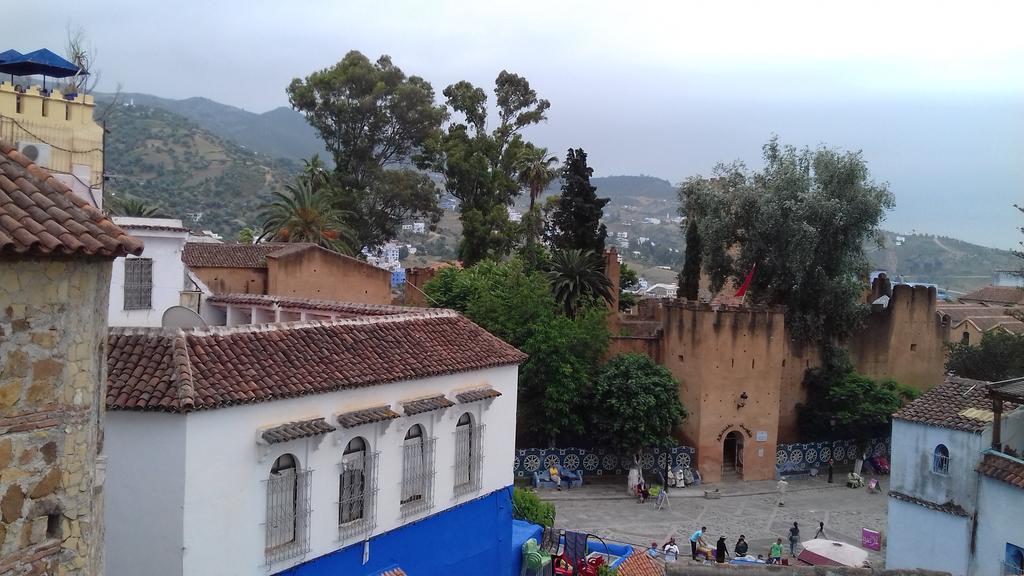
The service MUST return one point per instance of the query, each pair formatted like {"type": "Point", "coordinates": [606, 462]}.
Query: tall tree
{"type": "Point", "coordinates": [689, 276]}
{"type": "Point", "coordinates": [577, 277]}
{"type": "Point", "coordinates": [480, 166]}
{"type": "Point", "coordinates": [999, 356]}
{"type": "Point", "coordinates": [536, 170]}
{"type": "Point", "coordinates": [576, 220]}
{"type": "Point", "coordinates": [373, 119]}
{"type": "Point", "coordinates": [803, 221]}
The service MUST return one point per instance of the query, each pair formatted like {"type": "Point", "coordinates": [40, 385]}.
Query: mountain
{"type": "Point", "coordinates": [189, 172]}
{"type": "Point", "coordinates": [280, 133]}
{"type": "Point", "coordinates": [953, 264]}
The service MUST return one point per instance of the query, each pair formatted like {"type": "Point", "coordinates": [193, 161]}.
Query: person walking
{"type": "Point", "coordinates": [794, 537]}
{"type": "Point", "coordinates": [741, 546]}
{"type": "Point", "coordinates": [721, 550]}
{"type": "Point", "coordinates": [775, 552]}
{"type": "Point", "coordinates": [830, 470]}
{"type": "Point", "coordinates": [697, 538]}
{"type": "Point", "coordinates": [781, 487]}
{"type": "Point", "coordinates": [821, 531]}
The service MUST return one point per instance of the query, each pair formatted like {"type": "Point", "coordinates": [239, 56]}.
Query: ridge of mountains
{"type": "Point", "coordinates": [215, 165]}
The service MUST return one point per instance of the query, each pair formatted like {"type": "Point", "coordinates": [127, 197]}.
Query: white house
{"type": "Point", "coordinates": [939, 444]}
{"type": "Point", "coordinates": [142, 288]}
{"type": "Point", "coordinates": [419, 227]}
{"type": "Point", "coordinates": [376, 440]}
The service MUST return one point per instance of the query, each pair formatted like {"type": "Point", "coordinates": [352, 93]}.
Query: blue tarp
{"type": "Point", "coordinates": [42, 62]}
{"type": "Point", "coordinates": [9, 55]}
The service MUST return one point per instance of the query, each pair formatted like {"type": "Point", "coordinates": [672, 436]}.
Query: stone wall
{"type": "Point", "coordinates": [53, 319]}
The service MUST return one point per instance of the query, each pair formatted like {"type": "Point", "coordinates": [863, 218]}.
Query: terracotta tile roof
{"type": "Point", "coordinates": [944, 405]}
{"type": "Point", "coordinates": [183, 370]}
{"type": "Point", "coordinates": [476, 395]}
{"type": "Point", "coordinates": [296, 430]}
{"type": "Point", "coordinates": [1013, 388]}
{"type": "Point", "coordinates": [1001, 467]}
{"type": "Point", "coordinates": [986, 323]}
{"type": "Point", "coordinates": [947, 508]}
{"type": "Point", "coordinates": [995, 294]}
{"type": "Point", "coordinates": [957, 313]}
{"type": "Point", "coordinates": [216, 255]}
{"type": "Point", "coordinates": [639, 564]}
{"type": "Point", "coordinates": [40, 216]}
{"type": "Point", "coordinates": [367, 416]}
{"type": "Point", "coordinates": [340, 308]}
{"type": "Point", "coordinates": [439, 402]}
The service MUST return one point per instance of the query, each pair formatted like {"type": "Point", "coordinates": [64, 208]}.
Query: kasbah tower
{"type": "Point", "coordinates": [56, 251]}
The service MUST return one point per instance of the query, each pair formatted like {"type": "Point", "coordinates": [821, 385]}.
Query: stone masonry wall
{"type": "Point", "coordinates": [53, 318]}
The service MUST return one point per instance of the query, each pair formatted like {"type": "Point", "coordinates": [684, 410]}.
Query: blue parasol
{"type": "Point", "coordinates": [9, 55]}
{"type": "Point", "coordinates": [42, 62]}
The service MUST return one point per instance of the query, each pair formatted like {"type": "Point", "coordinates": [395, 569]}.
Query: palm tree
{"type": "Point", "coordinates": [306, 214]}
{"type": "Point", "coordinates": [574, 275]}
{"type": "Point", "coordinates": [535, 170]}
{"type": "Point", "coordinates": [131, 206]}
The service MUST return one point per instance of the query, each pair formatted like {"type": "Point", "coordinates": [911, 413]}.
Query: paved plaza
{"type": "Point", "coordinates": [749, 508]}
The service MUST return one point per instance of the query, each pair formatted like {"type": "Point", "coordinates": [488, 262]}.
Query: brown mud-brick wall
{"type": "Point", "coordinates": [52, 364]}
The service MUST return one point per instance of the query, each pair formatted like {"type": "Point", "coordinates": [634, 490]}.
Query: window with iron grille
{"type": "Point", "coordinates": [940, 460]}
{"type": "Point", "coordinates": [417, 472]}
{"type": "Point", "coordinates": [468, 455]}
{"type": "Point", "coordinates": [357, 490]}
{"type": "Point", "coordinates": [288, 508]}
{"type": "Point", "coordinates": [138, 284]}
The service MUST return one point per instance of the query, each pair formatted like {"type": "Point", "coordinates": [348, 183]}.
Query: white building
{"type": "Point", "coordinates": [642, 240]}
{"type": "Point", "coordinates": [655, 221]}
{"type": "Point", "coordinates": [946, 477]}
{"type": "Point", "coordinates": [662, 291]}
{"type": "Point", "coordinates": [141, 289]}
{"type": "Point", "coordinates": [380, 439]}
{"type": "Point", "coordinates": [515, 215]}
{"type": "Point", "coordinates": [407, 227]}
{"type": "Point", "coordinates": [419, 227]}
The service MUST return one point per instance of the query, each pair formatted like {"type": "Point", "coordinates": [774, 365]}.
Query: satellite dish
{"type": "Point", "coordinates": [182, 317]}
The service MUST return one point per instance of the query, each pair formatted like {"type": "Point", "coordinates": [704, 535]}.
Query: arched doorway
{"type": "Point", "coordinates": [732, 456]}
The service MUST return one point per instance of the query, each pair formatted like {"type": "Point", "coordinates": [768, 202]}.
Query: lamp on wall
{"type": "Point", "coordinates": [742, 401]}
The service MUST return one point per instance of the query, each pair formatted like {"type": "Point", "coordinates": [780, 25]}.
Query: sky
{"type": "Point", "coordinates": [932, 93]}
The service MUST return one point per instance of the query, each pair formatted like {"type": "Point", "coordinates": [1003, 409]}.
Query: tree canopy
{"type": "Point", "coordinates": [577, 278]}
{"type": "Point", "coordinates": [803, 221]}
{"type": "Point", "coordinates": [999, 356]}
{"type": "Point", "coordinates": [635, 404]}
{"type": "Point", "coordinates": [373, 119]}
{"type": "Point", "coordinates": [575, 221]}
{"type": "Point", "coordinates": [517, 305]}
{"type": "Point", "coordinates": [481, 167]}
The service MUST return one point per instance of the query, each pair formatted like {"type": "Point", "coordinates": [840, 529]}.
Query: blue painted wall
{"type": "Point", "coordinates": [468, 540]}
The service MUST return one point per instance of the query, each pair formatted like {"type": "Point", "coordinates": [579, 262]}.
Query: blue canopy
{"type": "Point", "coordinates": [41, 62]}
{"type": "Point", "coordinates": [9, 55]}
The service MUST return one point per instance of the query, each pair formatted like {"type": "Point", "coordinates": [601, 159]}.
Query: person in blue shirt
{"type": "Point", "coordinates": [695, 539]}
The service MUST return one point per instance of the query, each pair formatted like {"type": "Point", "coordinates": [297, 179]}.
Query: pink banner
{"type": "Point", "coordinates": [870, 539]}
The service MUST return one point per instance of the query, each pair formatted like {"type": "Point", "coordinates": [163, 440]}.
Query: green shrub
{"type": "Point", "coordinates": [528, 506]}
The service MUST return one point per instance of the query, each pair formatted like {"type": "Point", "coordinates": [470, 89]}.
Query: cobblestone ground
{"type": "Point", "coordinates": [749, 508]}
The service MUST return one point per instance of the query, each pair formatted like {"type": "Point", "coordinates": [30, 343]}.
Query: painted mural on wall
{"type": "Point", "coordinates": [804, 456]}
{"type": "Point", "coordinates": [598, 461]}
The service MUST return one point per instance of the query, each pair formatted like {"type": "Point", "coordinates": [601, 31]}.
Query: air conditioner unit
{"type": "Point", "coordinates": [36, 152]}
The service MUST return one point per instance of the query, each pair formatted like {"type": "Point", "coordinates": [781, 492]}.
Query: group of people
{"type": "Point", "coordinates": [699, 547]}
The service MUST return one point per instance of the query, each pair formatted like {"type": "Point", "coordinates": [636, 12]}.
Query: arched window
{"type": "Point", "coordinates": [468, 455]}
{"type": "Point", "coordinates": [287, 509]}
{"type": "Point", "coordinates": [965, 339]}
{"type": "Point", "coordinates": [352, 491]}
{"type": "Point", "coordinates": [940, 460]}
{"type": "Point", "coordinates": [417, 471]}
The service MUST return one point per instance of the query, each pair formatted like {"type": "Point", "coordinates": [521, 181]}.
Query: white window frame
{"type": "Point", "coordinates": [468, 455]}
{"type": "Point", "coordinates": [417, 483]}
{"type": "Point", "coordinates": [360, 464]}
{"type": "Point", "coordinates": [138, 284]}
{"type": "Point", "coordinates": [288, 491]}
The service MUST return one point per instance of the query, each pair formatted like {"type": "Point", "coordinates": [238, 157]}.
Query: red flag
{"type": "Point", "coordinates": [746, 283]}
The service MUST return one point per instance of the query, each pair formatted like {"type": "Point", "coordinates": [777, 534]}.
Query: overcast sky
{"type": "Point", "coordinates": [932, 92]}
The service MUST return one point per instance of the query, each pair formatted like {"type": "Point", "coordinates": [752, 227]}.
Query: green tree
{"type": "Point", "coordinates": [844, 404]}
{"type": "Point", "coordinates": [373, 119]}
{"type": "Point", "coordinates": [803, 221]}
{"type": "Point", "coordinates": [629, 281]}
{"type": "Point", "coordinates": [304, 214]}
{"type": "Point", "coordinates": [689, 276]}
{"type": "Point", "coordinates": [516, 305]}
{"type": "Point", "coordinates": [480, 166]}
{"type": "Point", "coordinates": [576, 219]}
{"type": "Point", "coordinates": [132, 206]}
{"type": "Point", "coordinates": [246, 236]}
{"type": "Point", "coordinates": [536, 169]}
{"type": "Point", "coordinates": [999, 356]}
{"type": "Point", "coordinates": [528, 506]}
{"type": "Point", "coordinates": [637, 404]}
{"type": "Point", "coordinates": [578, 277]}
